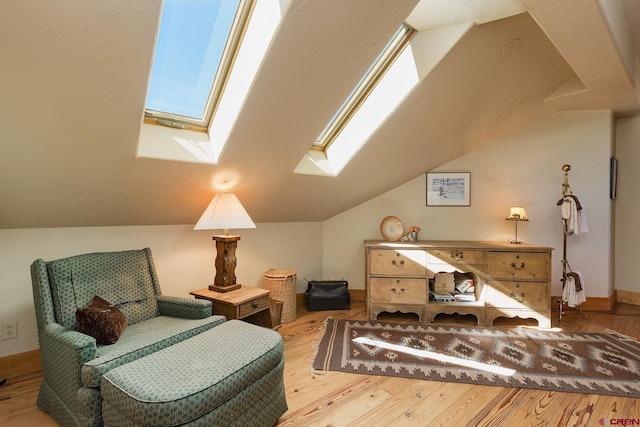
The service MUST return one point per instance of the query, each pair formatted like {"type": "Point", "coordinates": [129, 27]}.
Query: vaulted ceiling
{"type": "Point", "coordinates": [73, 78]}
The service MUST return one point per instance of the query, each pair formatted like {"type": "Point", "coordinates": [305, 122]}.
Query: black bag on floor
{"type": "Point", "coordinates": [327, 295]}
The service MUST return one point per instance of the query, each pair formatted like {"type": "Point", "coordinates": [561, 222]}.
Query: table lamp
{"type": "Point", "coordinates": [517, 214]}
{"type": "Point", "coordinates": [223, 213]}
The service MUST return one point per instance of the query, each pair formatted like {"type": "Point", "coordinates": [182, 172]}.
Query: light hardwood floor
{"type": "Point", "coordinates": [340, 399]}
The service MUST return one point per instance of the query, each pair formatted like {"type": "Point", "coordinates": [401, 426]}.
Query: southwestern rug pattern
{"type": "Point", "coordinates": [607, 364]}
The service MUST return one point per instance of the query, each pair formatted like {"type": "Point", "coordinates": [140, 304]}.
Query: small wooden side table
{"type": "Point", "coordinates": [247, 303]}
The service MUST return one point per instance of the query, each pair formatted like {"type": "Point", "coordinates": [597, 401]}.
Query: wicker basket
{"type": "Point", "coordinates": [282, 284]}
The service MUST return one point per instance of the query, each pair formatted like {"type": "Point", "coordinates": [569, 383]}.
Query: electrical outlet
{"type": "Point", "coordinates": [10, 330]}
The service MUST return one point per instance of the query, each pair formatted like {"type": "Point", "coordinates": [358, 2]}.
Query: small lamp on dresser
{"type": "Point", "coordinates": [517, 214]}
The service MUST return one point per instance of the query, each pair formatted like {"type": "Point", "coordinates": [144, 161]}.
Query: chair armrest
{"type": "Point", "coordinates": [63, 352]}
{"type": "Point", "coordinates": [185, 308]}
{"type": "Point", "coordinates": [81, 347]}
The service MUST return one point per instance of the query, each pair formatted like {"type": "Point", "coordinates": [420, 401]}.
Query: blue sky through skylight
{"type": "Point", "coordinates": [191, 40]}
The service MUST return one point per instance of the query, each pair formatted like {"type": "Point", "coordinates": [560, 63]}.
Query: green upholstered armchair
{"type": "Point", "coordinates": [72, 362]}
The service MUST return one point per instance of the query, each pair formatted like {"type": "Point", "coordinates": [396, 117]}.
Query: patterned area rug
{"type": "Point", "coordinates": [570, 362]}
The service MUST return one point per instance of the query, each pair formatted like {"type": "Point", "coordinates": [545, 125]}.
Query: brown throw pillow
{"type": "Point", "coordinates": [101, 320]}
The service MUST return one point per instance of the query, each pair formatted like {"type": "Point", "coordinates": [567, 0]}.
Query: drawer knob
{"type": "Point", "coordinates": [400, 263]}
{"type": "Point", "coordinates": [255, 304]}
{"type": "Point", "coordinates": [517, 267]}
{"type": "Point", "coordinates": [456, 255]}
{"type": "Point", "coordinates": [517, 297]}
{"type": "Point", "coordinates": [396, 291]}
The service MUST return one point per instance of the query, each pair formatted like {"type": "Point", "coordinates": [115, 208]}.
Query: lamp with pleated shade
{"type": "Point", "coordinates": [517, 214]}
{"type": "Point", "coordinates": [225, 212]}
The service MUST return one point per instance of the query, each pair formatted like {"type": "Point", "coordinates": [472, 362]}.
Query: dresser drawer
{"type": "Point", "coordinates": [398, 262]}
{"type": "Point", "coordinates": [402, 291]}
{"type": "Point", "coordinates": [519, 265]}
{"type": "Point", "coordinates": [518, 295]}
{"type": "Point", "coordinates": [456, 256]}
{"type": "Point", "coordinates": [250, 307]}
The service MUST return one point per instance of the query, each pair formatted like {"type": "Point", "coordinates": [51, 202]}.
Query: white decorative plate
{"type": "Point", "coordinates": [391, 228]}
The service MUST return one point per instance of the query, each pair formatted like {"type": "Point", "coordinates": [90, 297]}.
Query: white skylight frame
{"type": "Point", "coordinates": [230, 50]}
{"type": "Point", "coordinates": [190, 143]}
{"type": "Point", "coordinates": [378, 93]}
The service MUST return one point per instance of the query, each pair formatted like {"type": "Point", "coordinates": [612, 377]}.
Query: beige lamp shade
{"type": "Point", "coordinates": [223, 213]}
{"type": "Point", "coordinates": [517, 213]}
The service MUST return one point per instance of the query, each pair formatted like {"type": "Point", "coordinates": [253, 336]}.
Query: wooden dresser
{"type": "Point", "coordinates": [509, 280]}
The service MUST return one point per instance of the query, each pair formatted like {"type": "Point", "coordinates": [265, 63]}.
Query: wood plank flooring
{"type": "Point", "coordinates": [341, 399]}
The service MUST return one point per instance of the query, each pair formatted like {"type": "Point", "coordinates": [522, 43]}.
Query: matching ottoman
{"type": "Point", "coordinates": [230, 375]}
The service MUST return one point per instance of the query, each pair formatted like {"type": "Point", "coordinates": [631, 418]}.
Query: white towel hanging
{"type": "Point", "coordinates": [570, 215]}
{"type": "Point", "coordinates": [573, 292]}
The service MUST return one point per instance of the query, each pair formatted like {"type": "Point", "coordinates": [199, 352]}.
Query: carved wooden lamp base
{"type": "Point", "coordinates": [226, 261]}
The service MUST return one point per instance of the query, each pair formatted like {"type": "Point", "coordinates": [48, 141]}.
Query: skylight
{"type": "Point", "coordinates": [364, 87]}
{"type": "Point", "coordinates": [213, 71]}
{"type": "Point", "coordinates": [196, 44]}
{"type": "Point", "coordinates": [382, 88]}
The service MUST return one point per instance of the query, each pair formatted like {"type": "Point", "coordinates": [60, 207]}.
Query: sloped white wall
{"type": "Point", "coordinates": [521, 169]}
{"type": "Point", "coordinates": [184, 260]}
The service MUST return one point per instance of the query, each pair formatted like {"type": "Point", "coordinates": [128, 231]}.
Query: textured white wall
{"type": "Point", "coordinates": [184, 260]}
{"type": "Point", "coordinates": [627, 204]}
{"type": "Point", "coordinates": [523, 168]}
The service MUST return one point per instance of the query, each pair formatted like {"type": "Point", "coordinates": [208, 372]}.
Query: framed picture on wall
{"type": "Point", "coordinates": [448, 189]}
